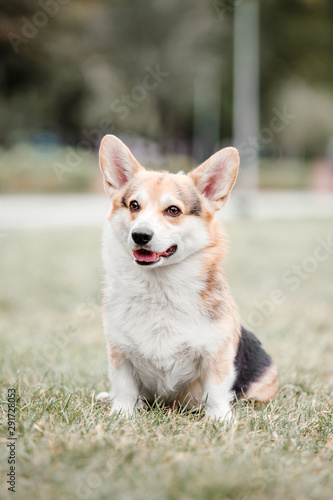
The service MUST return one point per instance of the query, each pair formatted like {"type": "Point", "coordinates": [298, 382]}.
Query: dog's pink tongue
{"type": "Point", "coordinates": [145, 255]}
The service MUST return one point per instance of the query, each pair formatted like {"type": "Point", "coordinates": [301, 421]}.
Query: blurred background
{"type": "Point", "coordinates": [175, 80]}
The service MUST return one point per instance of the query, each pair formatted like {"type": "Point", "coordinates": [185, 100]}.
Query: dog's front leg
{"type": "Point", "coordinates": [124, 389]}
{"type": "Point", "coordinates": [217, 398]}
{"type": "Point", "coordinates": [217, 385]}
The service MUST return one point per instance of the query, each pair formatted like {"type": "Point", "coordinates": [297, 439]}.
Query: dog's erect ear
{"type": "Point", "coordinates": [217, 175]}
{"type": "Point", "coordinates": [117, 164]}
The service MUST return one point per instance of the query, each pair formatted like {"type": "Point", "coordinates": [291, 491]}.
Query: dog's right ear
{"type": "Point", "coordinates": [117, 164]}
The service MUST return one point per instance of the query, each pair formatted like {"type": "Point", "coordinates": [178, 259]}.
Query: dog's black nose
{"type": "Point", "coordinates": [142, 236]}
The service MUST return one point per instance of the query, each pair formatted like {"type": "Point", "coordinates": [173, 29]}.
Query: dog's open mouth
{"type": "Point", "coordinates": [146, 257]}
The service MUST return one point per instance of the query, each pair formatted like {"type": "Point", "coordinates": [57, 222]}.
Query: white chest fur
{"type": "Point", "coordinates": [154, 319]}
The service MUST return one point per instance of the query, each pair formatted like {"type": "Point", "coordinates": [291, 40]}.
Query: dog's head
{"type": "Point", "coordinates": [163, 218]}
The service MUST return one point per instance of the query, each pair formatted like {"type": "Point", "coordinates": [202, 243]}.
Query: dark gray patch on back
{"type": "Point", "coordinates": [251, 362]}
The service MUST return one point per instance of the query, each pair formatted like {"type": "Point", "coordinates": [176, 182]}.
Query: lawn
{"type": "Point", "coordinates": [53, 353]}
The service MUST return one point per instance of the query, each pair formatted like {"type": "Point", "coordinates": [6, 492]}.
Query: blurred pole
{"type": "Point", "coordinates": [246, 90]}
{"type": "Point", "coordinates": [207, 106]}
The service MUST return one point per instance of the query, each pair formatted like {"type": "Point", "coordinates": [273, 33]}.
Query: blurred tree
{"type": "Point", "coordinates": [296, 47]}
{"type": "Point", "coordinates": [182, 39]}
{"type": "Point", "coordinates": [41, 85]}
{"type": "Point", "coordinates": [81, 68]}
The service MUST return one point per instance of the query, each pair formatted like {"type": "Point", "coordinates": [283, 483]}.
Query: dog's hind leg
{"type": "Point", "coordinates": [256, 373]}
{"type": "Point", "coordinates": [266, 387]}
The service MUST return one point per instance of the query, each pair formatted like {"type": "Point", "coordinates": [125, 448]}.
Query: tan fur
{"type": "Point", "coordinates": [218, 303]}
{"type": "Point", "coordinates": [223, 362]}
{"type": "Point", "coordinates": [215, 296]}
{"type": "Point", "coordinates": [191, 397]}
{"type": "Point", "coordinates": [266, 388]}
{"type": "Point", "coordinates": [113, 355]}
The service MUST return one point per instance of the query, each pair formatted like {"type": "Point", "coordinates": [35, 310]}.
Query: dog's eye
{"type": "Point", "coordinates": [134, 206]}
{"type": "Point", "coordinates": [173, 211]}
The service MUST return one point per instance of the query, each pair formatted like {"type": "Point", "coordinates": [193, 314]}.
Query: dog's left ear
{"type": "Point", "coordinates": [216, 176]}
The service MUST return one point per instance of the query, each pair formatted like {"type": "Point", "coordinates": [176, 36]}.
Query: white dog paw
{"type": "Point", "coordinates": [123, 406]}
{"type": "Point", "coordinates": [141, 404]}
{"type": "Point", "coordinates": [103, 397]}
{"type": "Point", "coordinates": [220, 414]}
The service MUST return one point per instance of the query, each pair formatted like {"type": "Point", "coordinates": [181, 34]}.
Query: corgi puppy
{"type": "Point", "coordinates": [171, 325]}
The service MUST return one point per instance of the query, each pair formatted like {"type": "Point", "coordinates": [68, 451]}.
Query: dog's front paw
{"type": "Point", "coordinates": [141, 404]}
{"type": "Point", "coordinates": [103, 397]}
{"type": "Point", "coordinates": [123, 406]}
{"type": "Point", "coordinates": [222, 413]}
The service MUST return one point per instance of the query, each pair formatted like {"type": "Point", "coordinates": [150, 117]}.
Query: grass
{"type": "Point", "coordinates": [53, 353]}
